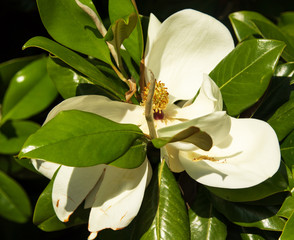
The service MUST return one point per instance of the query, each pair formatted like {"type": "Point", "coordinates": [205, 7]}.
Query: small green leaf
{"type": "Point", "coordinates": [283, 119]}
{"type": "Point", "coordinates": [163, 213]}
{"type": "Point", "coordinates": [287, 150]}
{"type": "Point", "coordinates": [191, 135]}
{"type": "Point", "coordinates": [29, 92]}
{"type": "Point", "coordinates": [205, 221]}
{"type": "Point", "coordinates": [80, 64]}
{"type": "Point", "coordinates": [245, 81]}
{"type": "Point", "coordinates": [287, 207]}
{"type": "Point", "coordinates": [14, 133]}
{"type": "Point", "coordinates": [14, 202]}
{"type": "Point", "coordinates": [288, 231]}
{"type": "Point", "coordinates": [80, 139]}
{"type": "Point", "coordinates": [69, 25]}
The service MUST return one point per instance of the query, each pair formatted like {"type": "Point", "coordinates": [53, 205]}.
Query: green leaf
{"type": "Point", "coordinates": [13, 135]}
{"type": "Point", "coordinates": [205, 221]}
{"type": "Point", "coordinates": [69, 25]}
{"type": "Point", "coordinates": [288, 231]}
{"type": "Point", "coordinates": [245, 81]}
{"type": "Point", "coordinates": [243, 25]}
{"type": "Point", "coordinates": [262, 217]}
{"type": "Point", "coordinates": [134, 44]}
{"type": "Point", "coordinates": [287, 207]}
{"type": "Point", "coordinates": [80, 64]}
{"type": "Point", "coordinates": [9, 68]}
{"type": "Point", "coordinates": [286, 23]}
{"type": "Point", "coordinates": [80, 139]}
{"type": "Point", "coordinates": [283, 119]}
{"type": "Point", "coordinates": [118, 32]}
{"type": "Point", "coordinates": [163, 213]}
{"type": "Point", "coordinates": [191, 135]}
{"type": "Point", "coordinates": [14, 202]}
{"type": "Point", "coordinates": [275, 184]}
{"type": "Point", "coordinates": [29, 92]}
{"type": "Point", "coordinates": [45, 217]}
{"type": "Point", "coordinates": [287, 150]}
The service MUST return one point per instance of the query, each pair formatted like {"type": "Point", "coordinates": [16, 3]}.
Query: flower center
{"type": "Point", "coordinates": [159, 101]}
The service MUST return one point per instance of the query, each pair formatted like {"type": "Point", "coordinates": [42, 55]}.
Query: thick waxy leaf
{"type": "Point", "coordinates": [288, 231]}
{"type": "Point", "coordinates": [287, 150]}
{"type": "Point", "coordinates": [192, 135]}
{"type": "Point", "coordinates": [287, 208]}
{"type": "Point", "coordinates": [14, 202]}
{"type": "Point", "coordinates": [80, 139]}
{"type": "Point", "coordinates": [45, 217]}
{"type": "Point", "coordinates": [262, 217]}
{"type": "Point", "coordinates": [205, 222]}
{"type": "Point", "coordinates": [275, 184]}
{"type": "Point", "coordinates": [286, 22]}
{"type": "Point", "coordinates": [9, 68]}
{"type": "Point", "coordinates": [163, 213]}
{"type": "Point", "coordinates": [30, 91]}
{"type": "Point", "coordinates": [134, 44]}
{"type": "Point", "coordinates": [13, 135]}
{"type": "Point", "coordinates": [68, 24]}
{"type": "Point", "coordinates": [244, 82]}
{"type": "Point", "coordinates": [283, 119]}
{"type": "Point", "coordinates": [80, 64]}
{"type": "Point", "coordinates": [118, 32]}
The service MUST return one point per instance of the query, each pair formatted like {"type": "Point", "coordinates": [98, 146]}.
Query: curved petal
{"type": "Point", "coordinates": [171, 155]}
{"type": "Point", "coordinates": [216, 124]}
{"type": "Point", "coordinates": [71, 186]}
{"type": "Point", "coordinates": [208, 100]}
{"type": "Point", "coordinates": [188, 44]}
{"type": "Point", "coordinates": [45, 168]}
{"type": "Point", "coordinates": [115, 207]}
{"type": "Point", "coordinates": [248, 157]}
{"type": "Point", "coordinates": [116, 111]}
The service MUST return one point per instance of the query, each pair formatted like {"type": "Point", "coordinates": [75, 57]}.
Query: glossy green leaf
{"type": "Point", "coordinates": [205, 222]}
{"type": "Point", "coordinates": [243, 25]}
{"type": "Point", "coordinates": [163, 213]}
{"type": "Point", "coordinates": [134, 44]}
{"type": "Point", "coordinates": [29, 92]}
{"type": "Point", "coordinates": [286, 23]}
{"type": "Point", "coordinates": [283, 119]}
{"type": "Point", "coordinates": [262, 217]}
{"type": "Point", "coordinates": [45, 217]}
{"type": "Point", "coordinates": [285, 70]}
{"type": "Point", "coordinates": [69, 25]}
{"type": "Point", "coordinates": [287, 207]}
{"type": "Point", "coordinates": [9, 68]}
{"type": "Point", "coordinates": [275, 184]}
{"type": "Point", "coordinates": [287, 150]}
{"type": "Point", "coordinates": [131, 67]}
{"type": "Point", "coordinates": [191, 135]}
{"type": "Point", "coordinates": [14, 202]}
{"type": "Point", "coordinates": [80, 139]}
{"type": "Point", "coordinates": [13, 135]}
{"type": "Point", "coordinates": [80, 64]}
{"type": "Point", "coordinates": [288, 231]}
{"type": "Point", "coordinates": [245, 81]}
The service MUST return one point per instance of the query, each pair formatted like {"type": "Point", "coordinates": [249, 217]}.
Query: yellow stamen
{"type": "Point", "coordinates": [204, 157]}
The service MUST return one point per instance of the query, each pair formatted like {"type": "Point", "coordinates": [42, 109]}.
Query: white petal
{"type": "Point", "coordinates": [119, 197]}
{"type": "Point", "coordinates": [171, 155]}
{"type": "Point", "coordinates": [71, 186]}
{"type": "Point", "coordinates": [116, 111]}
{"type": "Point", "coordinates": [188, 44]}
{"type": "Point", "coordinates": [248, 157]}
{"type": "Point", "coordinates": [216, 124]}
{"type": "Point", "coordinates": [46, 168]}
{"type": "Point", "coordinates": [208, 100]}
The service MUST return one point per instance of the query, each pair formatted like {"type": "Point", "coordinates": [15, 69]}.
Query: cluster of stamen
{"type": "Point", "coordinates": [159, 101]}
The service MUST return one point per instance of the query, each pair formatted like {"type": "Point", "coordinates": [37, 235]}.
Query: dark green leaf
{"type": "Point", "coordinates": [245, 81]}
{"type": "Point", "coordinates": [29, 92]}
{"type": "Point", "coordinates": [80, 139]}
{"type": "Point", "coordinates": [262, 217]}
{"type": "Point", "coordinates": [287, 150]}
{"type": "Point", "coordinates": [134, 44]}
{"type": "Point", "coordinates": [13, 135]}
{"type": "Point", "coordinates": [287, 207]}
{"type": "Point", "coordinates": [80, 64]}
{"type": "Point", "coordinates": [163, 214]}
{"type": "Point", "coordinates": [14, 202]}
{"type": "Point", "coordinates": [283, 119]}
{"type": "Point", "coordinates": [205, 222]}
{"type": "Point", "coordinates": [68, 24]}
{"type": "Point", "coordinates": [275, 184]}
{"type": "Point", "coordinates": [288, 231]}
{"type": "Point", "coordinates": [191, 135]}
